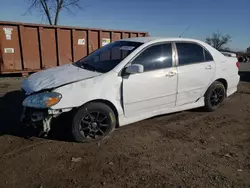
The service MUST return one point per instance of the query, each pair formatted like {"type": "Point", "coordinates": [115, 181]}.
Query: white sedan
{"type": "Point", "coordinates": [127, 81]}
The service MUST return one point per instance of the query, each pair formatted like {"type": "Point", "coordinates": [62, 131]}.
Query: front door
{"type": "Point", "coordinates": [196, 69]}
{"type": "Point", "coordinates": [156, 87]}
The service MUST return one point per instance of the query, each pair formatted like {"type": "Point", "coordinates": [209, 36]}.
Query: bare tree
{"type": "Point", "coordinates": [51, 9]}
{"type": "Point", "coordinates": [218, 41]}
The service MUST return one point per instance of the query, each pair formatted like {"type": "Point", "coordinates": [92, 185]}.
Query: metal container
{"type": "Point", "coordinates": [26, 48]}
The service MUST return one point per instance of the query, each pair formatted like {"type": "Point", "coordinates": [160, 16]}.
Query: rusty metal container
{"type": "Point", "coordinates": [28, 48]}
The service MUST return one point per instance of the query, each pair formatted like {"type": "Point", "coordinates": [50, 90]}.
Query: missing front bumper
{"type": "Point", "coordinates": [38, 119]}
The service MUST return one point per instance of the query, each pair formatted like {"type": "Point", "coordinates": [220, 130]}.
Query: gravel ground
{"type": "Point", "coordinates": [187, 149]}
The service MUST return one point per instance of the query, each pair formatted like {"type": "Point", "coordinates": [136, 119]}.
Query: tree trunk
{"type": "Point", "coordinates": [46, 10]}
{"type": "Point", "coordinates": [58, 9]}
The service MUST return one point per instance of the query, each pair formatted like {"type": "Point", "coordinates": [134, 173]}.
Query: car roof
{"type": "Point", "coordinates": [152, 39]}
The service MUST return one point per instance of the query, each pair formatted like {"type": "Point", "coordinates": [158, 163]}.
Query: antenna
{"type": "Point", "coordinates": [185, 30]}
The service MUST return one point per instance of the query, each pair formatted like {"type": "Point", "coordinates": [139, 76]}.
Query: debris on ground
{"type": "Point", "coordinates": [76, 159]}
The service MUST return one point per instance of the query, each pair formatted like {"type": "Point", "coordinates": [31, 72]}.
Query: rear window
{"type": "Point", "coordinates": [190, 53]}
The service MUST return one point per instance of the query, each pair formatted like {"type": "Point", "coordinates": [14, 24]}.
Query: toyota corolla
{"type": "Point", "coordinates": [127, 81]}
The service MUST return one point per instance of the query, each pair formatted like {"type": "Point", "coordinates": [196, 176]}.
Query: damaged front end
{"type": "Point", "coordinates": [37, 113]}
{"type": "Point", "coordinates": [37, 119]}
{"type": "Point", "coordinates": [40, 99]}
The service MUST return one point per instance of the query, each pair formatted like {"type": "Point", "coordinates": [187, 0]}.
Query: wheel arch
{"type": "Point", "coordinates": [224, 82]}
{"type": "Point", "coordinates": [221, 80]}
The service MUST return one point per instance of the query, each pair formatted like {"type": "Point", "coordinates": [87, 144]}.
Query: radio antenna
{"type": "Point", "coordinates": [185, 30]}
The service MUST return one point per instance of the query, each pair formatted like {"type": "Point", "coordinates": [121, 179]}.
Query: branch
{"type": "Point", "coordinates": [217, 40]}
{"type": "Point", "coordinates": [51, 9]}
{"type": "Point", "coordinates": [58, 9]}
{"type": "Point", "coordinates": [72, 4]}
{"type": "Point", "coordinates": [46, 10]}
{"type": "Point", "coordinates": [34, 3]}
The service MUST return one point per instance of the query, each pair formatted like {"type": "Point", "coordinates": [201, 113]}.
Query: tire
{"type": "Point", "coordinates": [211, 96]}
{"type": "Point", "coordinates": [93, 121]}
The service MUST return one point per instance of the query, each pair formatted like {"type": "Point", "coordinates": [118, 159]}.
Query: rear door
{"type": "Point", "coordinates": [196, 69]}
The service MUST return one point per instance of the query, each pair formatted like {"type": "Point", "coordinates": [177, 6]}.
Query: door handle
{"type": "Point", "coordinates": [171, 74]}
{"type": "Point", "coordinates": [208, 67]}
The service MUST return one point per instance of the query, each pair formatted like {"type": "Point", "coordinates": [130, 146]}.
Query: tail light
{"type": "Point", "coordinates": [238, 64]}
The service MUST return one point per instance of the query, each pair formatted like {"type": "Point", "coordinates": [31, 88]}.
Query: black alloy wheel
{"type": "Point", "coordinates": [94, 125]}
{"type": "Point", "coordinates": [93, 121]}
{"type": "Point", "coordinates": [215, 96]}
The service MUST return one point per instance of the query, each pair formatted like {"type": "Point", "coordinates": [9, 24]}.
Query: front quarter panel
{"type": "Point", "coordinates": [104, 87]}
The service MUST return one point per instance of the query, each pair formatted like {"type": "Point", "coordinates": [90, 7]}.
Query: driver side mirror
{"type": "Point", "coordinates": [135, 68]}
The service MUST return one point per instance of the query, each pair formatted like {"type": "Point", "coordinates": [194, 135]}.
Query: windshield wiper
{"type": "Point", "coordinates": [88, 66]}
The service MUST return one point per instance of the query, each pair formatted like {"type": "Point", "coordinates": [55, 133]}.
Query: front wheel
{"type": "Point", "coordinates": [93, 121]}
{"type": "Point", "coordinates": [215, 96]}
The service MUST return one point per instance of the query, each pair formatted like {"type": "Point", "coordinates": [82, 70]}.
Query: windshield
{"type": "Point", "coordinates": [107, 57]}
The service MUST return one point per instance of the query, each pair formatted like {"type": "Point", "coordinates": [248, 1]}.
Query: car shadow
{"type": "Point", "coordinates": [10, 124]}
{"type": "Point", "coordinates": [244, 76]}
{"type": "Point", "coordinates": [11, 109]}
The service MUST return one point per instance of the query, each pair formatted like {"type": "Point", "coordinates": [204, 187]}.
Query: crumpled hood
{"type": "Point", "coordinates": [55, 77]}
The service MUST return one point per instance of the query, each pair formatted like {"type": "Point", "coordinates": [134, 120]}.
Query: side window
{"type": "Point", "coordinates": [208, 56]}
{"type": "Point", "coordinates": [189, 53]}
{"type": "Point", "coordinates": [155, 57]}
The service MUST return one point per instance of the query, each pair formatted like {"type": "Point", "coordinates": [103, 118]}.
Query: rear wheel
{"type": "Point", "coordinates": [93, 122]}
{"type": "Point", "coordinates": [215, 96]}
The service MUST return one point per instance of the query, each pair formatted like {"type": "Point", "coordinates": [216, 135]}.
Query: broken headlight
{"type": "Point", "coordinates": [42, 100]}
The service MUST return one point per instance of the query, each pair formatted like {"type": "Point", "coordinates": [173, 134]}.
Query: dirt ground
{"type": "Point", "coordinates": [187, 149]}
